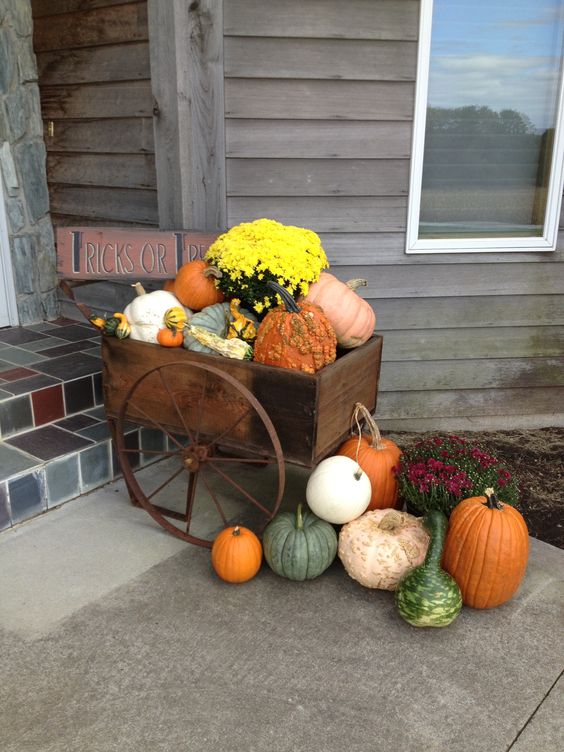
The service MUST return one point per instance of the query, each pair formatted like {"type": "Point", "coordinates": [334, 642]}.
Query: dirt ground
{"type": "Point", "coordinates": [537, 459]}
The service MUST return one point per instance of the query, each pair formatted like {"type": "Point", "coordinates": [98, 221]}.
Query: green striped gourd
{"type": "Point", "coordinates": [428, 596]}
{"type": "Point", "coordinates": [299, 546]}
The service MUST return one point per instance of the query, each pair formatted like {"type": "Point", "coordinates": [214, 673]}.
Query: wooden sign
{"type": "Point", "coordinates": [109, 252]}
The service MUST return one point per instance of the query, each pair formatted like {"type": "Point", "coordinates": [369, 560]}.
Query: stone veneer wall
{"type": "Point", "coordinates": [22, 164]}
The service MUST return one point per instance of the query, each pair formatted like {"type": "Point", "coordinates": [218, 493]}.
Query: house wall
{"type": "Point", "coordinates": [94, 78]}
{"type": "Point", "coordinates": [22, 168]}
{"type": "Point", "coordinates": [319, 100]}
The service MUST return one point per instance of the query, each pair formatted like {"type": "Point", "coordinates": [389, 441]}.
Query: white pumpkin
{"type": "Point", "coordinates": [338, 490]}
{"type": "Point", "coordinates": [380, 547]}
{"type": "Point", "coordinates": [145, 313]}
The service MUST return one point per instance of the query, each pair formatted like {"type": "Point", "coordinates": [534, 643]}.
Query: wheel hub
{"type": "Point", "coordinates": [193, 456]}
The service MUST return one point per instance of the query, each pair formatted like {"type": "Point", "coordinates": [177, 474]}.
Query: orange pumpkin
{"type": "Point", "coordinates": [169, 285]}
{"type": "Point", "coordinates": [486, 550]}
{"type": "Point", "coordinates": [195, 287]}
{"type": "Point", "coordinates": [236, 554]}
{"type": "Point", "coordinates": [170, 337]}
{"type": "Point", "coordinates": [377, 457]}
{"type": "Point", "coordinates": [292, 336]}
{"type": "Point", "coordinates": [352, 317]}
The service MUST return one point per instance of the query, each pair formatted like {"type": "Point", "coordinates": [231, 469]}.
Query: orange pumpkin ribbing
{"type": "Point", "coordinates": [236, 554]}
{"type": "Point", "coordinates": [194, 285]}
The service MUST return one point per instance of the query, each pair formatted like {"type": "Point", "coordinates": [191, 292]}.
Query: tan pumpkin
{"type": "Point", "coordinates": [352, 317]}
{"type": "Point", "coordinates": [195, 286]}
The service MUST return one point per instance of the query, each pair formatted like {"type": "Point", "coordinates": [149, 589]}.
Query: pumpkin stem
{"type": "Point", "coordinates": [299, 519]}
{"type": "Point", "coordinates": [358, 473]}
{"type": "Point", "coordinates": [391, 520]}
{"type": "Point", "coordinates": [139, 289]}
{"type": "Point", "coordinates": [492, 501]}
{"type": "Point", "coordinates": [363, 413]}
{"type": "Point", "coordinates": [354, 283]}
{"type": "Point", "coordinates": [289, 303]}
{"type": "Point", "coordinates": [212, 271]}
{"type": "Point", "coordinates": [236, 530]}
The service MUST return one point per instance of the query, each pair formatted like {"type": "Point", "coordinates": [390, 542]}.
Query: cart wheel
{"type": "Point", "coordinates": [222, 461]}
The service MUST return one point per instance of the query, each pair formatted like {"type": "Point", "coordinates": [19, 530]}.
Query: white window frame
{"type": "Point", "coordinates": [479, 244]}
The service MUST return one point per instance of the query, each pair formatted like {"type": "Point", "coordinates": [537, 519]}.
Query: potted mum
{"type": "Point", "coordinates": [438, 472]}
{"type": "Point", "coordinates": [252, 253]}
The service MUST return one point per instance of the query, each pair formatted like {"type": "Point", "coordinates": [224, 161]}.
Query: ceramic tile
{"type": "Point", "coordinates": [42, 327]}
{"type": "Point", "coordinates": [97, 412]}
{"type": "Point", "coordinates": [97, 432]}
{"type": "Point", "coordinates": [4, 365]}
{"type": "Point", "coordinates": [13, 374]}
{"type": "Point", "coordinates": [67, 348]}
{"type": "Point", "coordinates": [76, 422]}
{"type": "Point", "coordinates": [79, 395]}
{"type": "Point", "coordinates": [4, 507]}
{"type": "Point", "coordinates": [62, 480]}
{"type": "Point", "coordinates": [98, 389]}
{"type": "Point", "coordinates": [27, 496]}
{"type": "Point", "coordinates": [48, 405]}
{"type": "Point", "coordinates": [16, 356]}
{"type": "Point", "coordinates": [3, 394]}
{"type": "Point", "coordinates": [63, 321]}
{"type": "Point", "coordinates": [72, 332]}
{"type": "Point", "coordinates": [12, 461]}
{"type": "Point", "coordinates": [95, 466]}
{"type": "Point", "coordinates": [44, 344]}
{"type": "Point", "coordinates": [15, 415]}
{"type": "Point", "coordinates": [131, 442]}
{"type": "Point", "coordinates": [30, 384]}
{"type": "Point", "coordinates": [48, 442]}
{"type": "Point", "coordinates": [69, 367]}
{"type": "Point", "coordinates": [18, 334]}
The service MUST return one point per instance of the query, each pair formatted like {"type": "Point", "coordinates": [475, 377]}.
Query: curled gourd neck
{"type": "Point", "coordinates": [354, 284]}
{"type": "Point", "coordinates": [212, 271]}
{"type": "Point", "coordinates": [436, 523]}
{"type": "Point", "coordinates": [362, 413]}
{"type": "Point", "coordinates": [139, 289]}
{"type": "Point", "coordinates": [289, 303]}
{"type": "Point", "coordinates": [492, 502]}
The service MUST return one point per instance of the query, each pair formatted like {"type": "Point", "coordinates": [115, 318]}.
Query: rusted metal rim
{"type": "Point", "coordinates": [194, 453]}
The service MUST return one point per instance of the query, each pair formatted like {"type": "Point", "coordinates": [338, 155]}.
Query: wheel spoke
{"type": "Point", "coordinates": [239, 488]}
{"type": "Point", "coordinates": [248, 461]}
{"type": "Point", "coordinates": [176, 407]}
{"type": "Point", "coordinates": [231, 427]}
{"type": "Point", "coordinates": [156, 423]}
{"type": "Point", "coordinates": [190, 496]}
{"type": "Point", "coordinates": [215, 501]}
{"type": "Point", "coordinates": [156, 452]}
{"type": "Point", "coordinates": [160, 488]}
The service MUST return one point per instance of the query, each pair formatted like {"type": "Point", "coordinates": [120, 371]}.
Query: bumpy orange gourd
{"type": "Point", "coordinates": [236, 554]}
{"type": "Point", "coordinates": [352, 317]}
{"type": "Point", "coordinates": [194, 285]}
{"type": "Point", "coordinates": [486, 550]}
{"type": "Point", "coordinates": [170, 337]}
{"type": "Point", "coordinates": [292, 336]}
{"type": "Point", "coordinates": [376, 456]}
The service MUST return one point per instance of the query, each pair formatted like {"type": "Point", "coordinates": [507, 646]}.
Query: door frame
{"type": "Point", "coordinates": [6, 269]}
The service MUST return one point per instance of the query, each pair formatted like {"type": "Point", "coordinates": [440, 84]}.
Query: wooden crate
{"type": "Point", "coordinates": [311, 413]}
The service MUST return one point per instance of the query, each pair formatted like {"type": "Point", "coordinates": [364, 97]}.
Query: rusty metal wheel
{"type": "Point", "coordinates": [221, 459]}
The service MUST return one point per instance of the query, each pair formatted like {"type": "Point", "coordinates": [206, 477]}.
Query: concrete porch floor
{"type": "Point", "coordinates": [117, 636]}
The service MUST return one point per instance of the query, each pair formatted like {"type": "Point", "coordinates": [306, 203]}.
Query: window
{"type": "Point", "coordinates": [488, 147]}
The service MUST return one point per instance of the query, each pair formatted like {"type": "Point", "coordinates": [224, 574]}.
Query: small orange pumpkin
{"type": "Point", "coordinates": [170, 337]}
{"type": "Point", "coordinates": [194, 285]}
{"type": "Point", "coordinates": [236, 554]}
{"type": "Point", "coordinates": [169, 285]}
{"type": "Point", "coordinates": [292, 336]}
{"type": "Point", "coordinates": [376, 456]}
{"type": "Point", "coordinates": [352, 317]}
{"type": "Point", "coordinates": [486, 550]}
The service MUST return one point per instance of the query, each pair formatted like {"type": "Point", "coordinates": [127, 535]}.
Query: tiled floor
{"type": "Point", "coordinates": [54, 440]}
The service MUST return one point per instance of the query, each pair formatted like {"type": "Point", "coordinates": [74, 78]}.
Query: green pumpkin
{"type": "Point", "coordinates": [428, 596]}
{"type": "Point", "coordinates": [299, 546]}
{"type": "Point", "coordinates": [216, 319]}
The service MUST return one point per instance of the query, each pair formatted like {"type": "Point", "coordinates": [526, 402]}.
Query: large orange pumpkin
{"type": "Point", "coordinates": [236, 554]}
{"type": "Point", "coordinates": [376, 456]}
{"type": "Point", "coordinates": [352, 317]}
{"type": "Point", "coordinates": [292, 336]}
{"type": "Point", "coordinates": [194, 285]}
{"type": "Point", "coordinates": [486, 550]}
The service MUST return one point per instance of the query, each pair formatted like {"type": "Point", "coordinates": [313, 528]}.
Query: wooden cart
{"type": "Point", "coordinates": [223, 428]}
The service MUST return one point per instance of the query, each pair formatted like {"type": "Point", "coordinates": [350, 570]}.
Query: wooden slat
{"type": "Point", "coordinates": [94, 64]}
{"type": "Point", "coordinates": [318, 100]}
{"type": "Point", "coordinates": [255, 57]}
{"type": "Point", "coordinates": [118, 135]}
{"type": "Point", "coordinates": [491, 373]}
{"type": "Point", "coordinates": [329, 214]}
{"type": "Point", "coordinates": [444, 280]}
{"type": "Point", "coordinates": [462, 312]}
{"type": "Point", "coordinates": [316, 139]}
{"type": "Point", "coordinates": [477, 423]}
{"type": "Point", "coordinates": [108, 25]}
{"type": "Point", "coordinates": [317, 177]}
{"type": "Point", "coordinates": [105, 203]}
{"type": "Point", "coordinates": [373, 249]}
{"type": "Point", "coordinates": [40, 8]}
{"type": "Point", "coordinates": [71, 220]}
{"type": "Point", "coordinates": [469, 403]}
{"type": "Point", "coordinates": [454, 344]}
{"type": "Point", "coordinates": [115, 170]}
{"type": "Point", "coordinates": [112, 100]}
{"type": "Point", "coordinates": [357, 19]}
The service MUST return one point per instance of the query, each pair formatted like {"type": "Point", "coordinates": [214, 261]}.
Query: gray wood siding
{"type": "Point", "coordinates": [95, 84]}
{"type": "Point", "coordinates": [319, 100]}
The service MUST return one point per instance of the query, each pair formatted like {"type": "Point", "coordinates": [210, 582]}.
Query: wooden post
{"type": "Point", "coordinates": [186, 49]}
